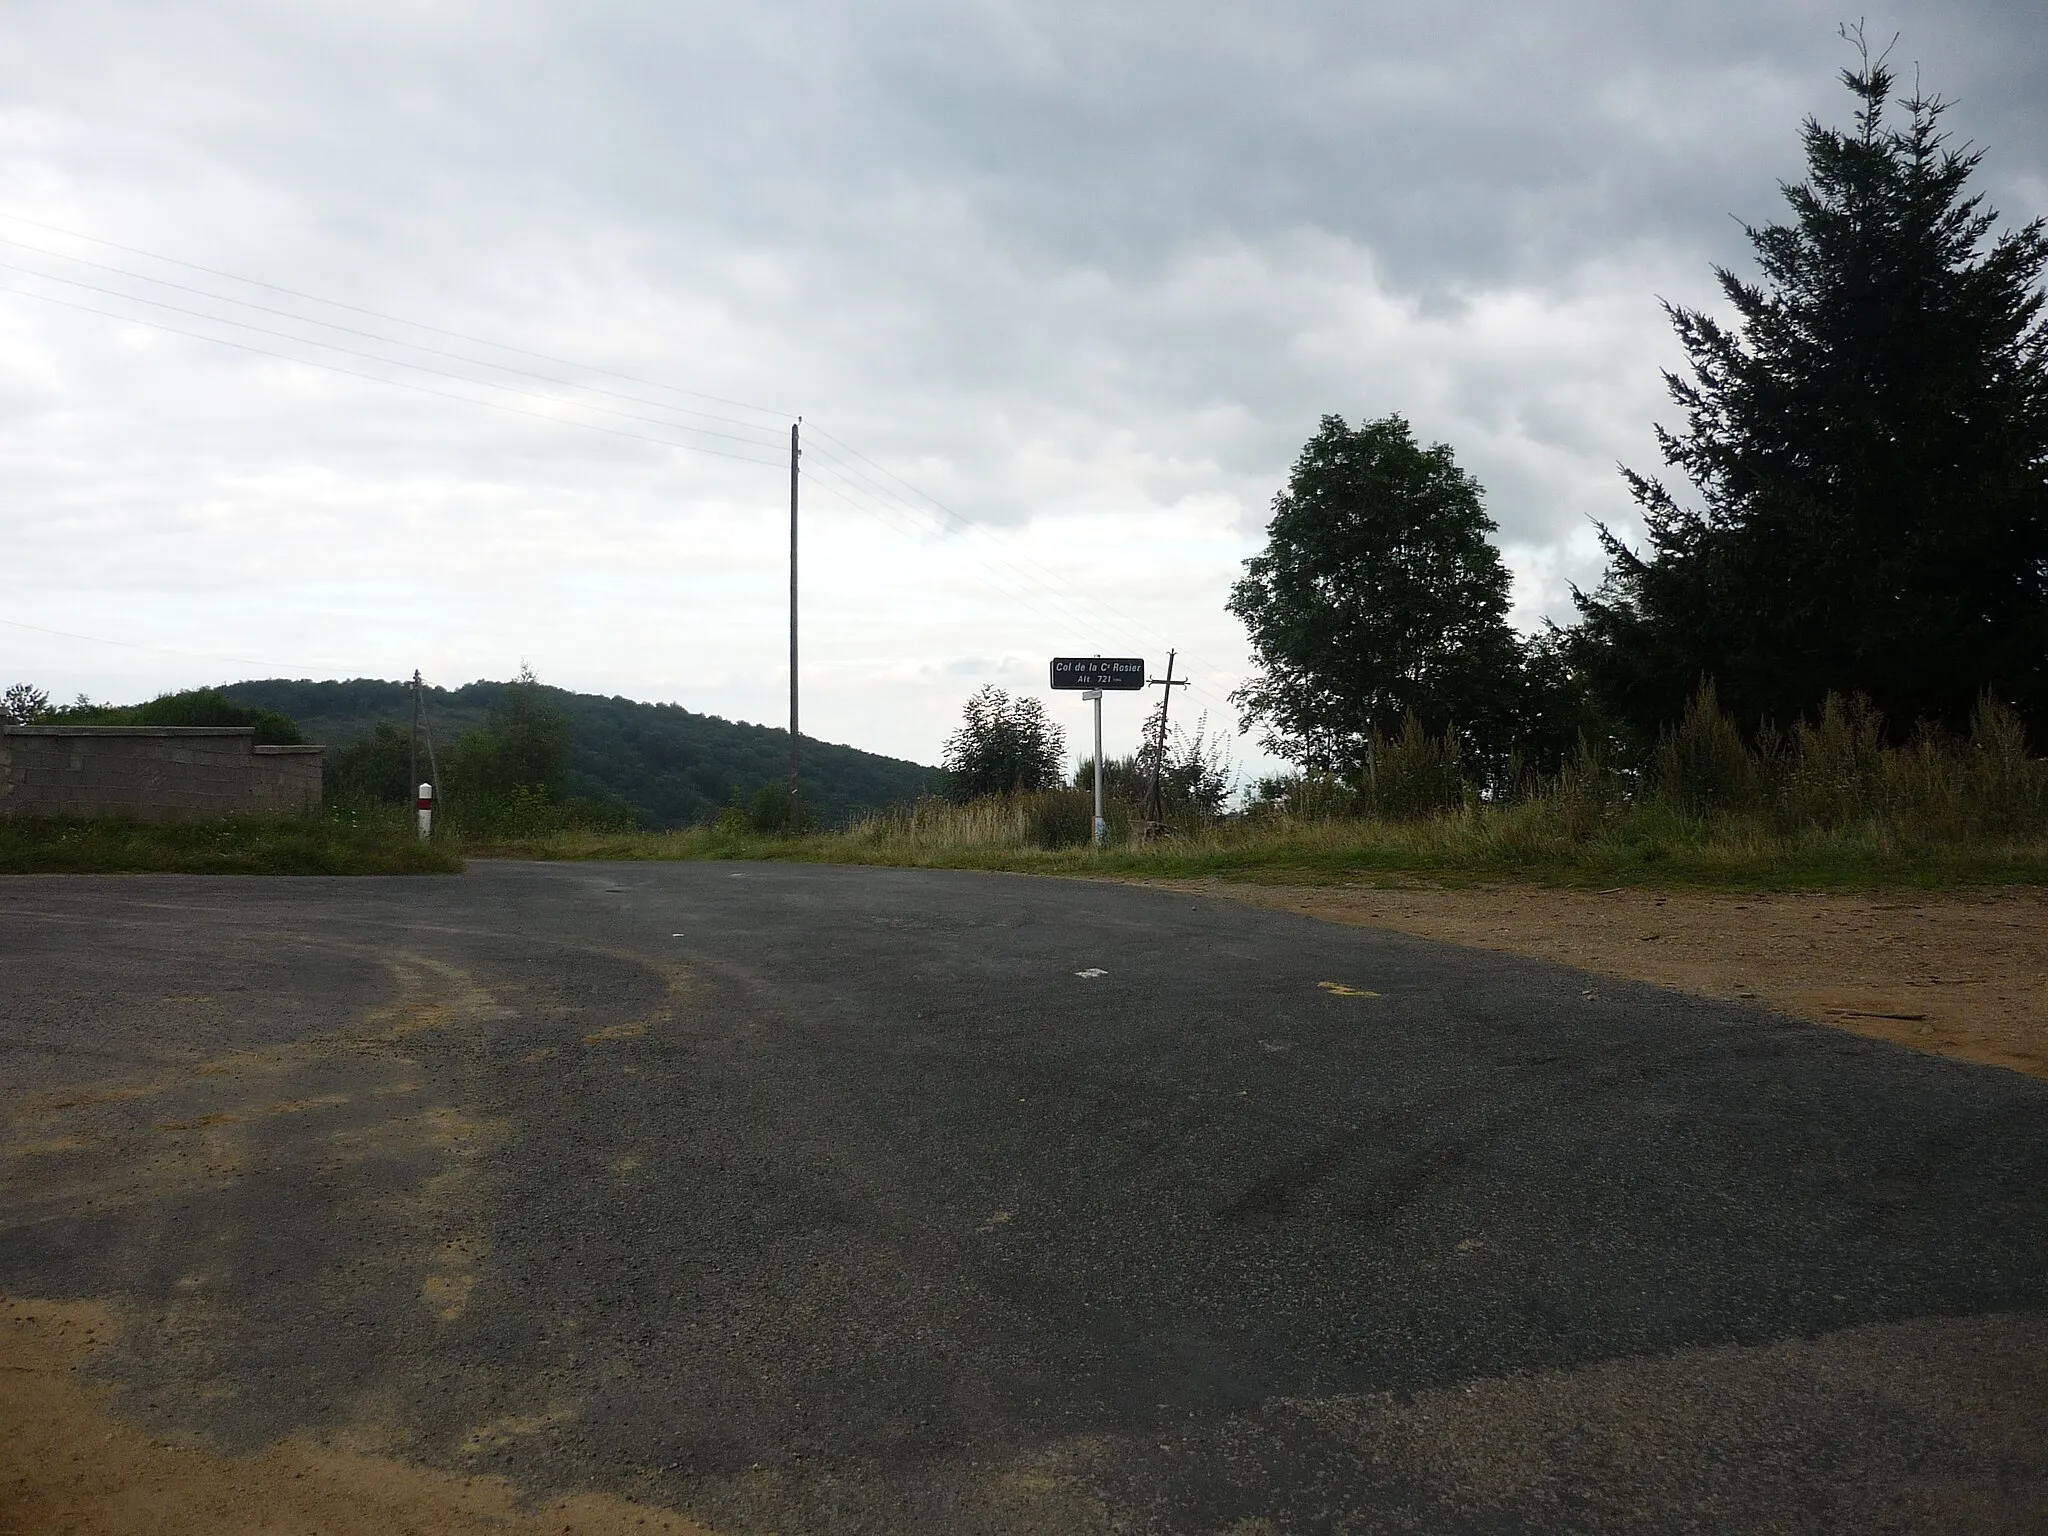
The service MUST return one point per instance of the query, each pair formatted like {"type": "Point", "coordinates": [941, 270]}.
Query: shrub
{"type": "Point", "coordinates": [1004, 746]}
{"type": "Point", "coordinates": [1414, 774]}
{"type": "Point", "coordinates": [1703, 763]}
{"type": "Point", "coordinates": [375, 769]}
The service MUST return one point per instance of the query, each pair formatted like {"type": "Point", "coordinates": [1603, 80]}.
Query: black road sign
{"type": "Point", "coordinates": [1126, 673]}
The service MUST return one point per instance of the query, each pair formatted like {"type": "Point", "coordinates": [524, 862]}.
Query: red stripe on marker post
{"type": "Point", "coordinates": [426, 810]}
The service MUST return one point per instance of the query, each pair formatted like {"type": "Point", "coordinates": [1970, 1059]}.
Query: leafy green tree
{"type": "Point", "coordinates": [524, 746]}
{"type": "Point", "coordinates": [1196, 776]}
{"type": "Point", "coordinates": [209, 706]}
{"type": "Point", "coordinates": [1123, 778]}
{"type": "Point", "coordinates": [200, 707]}
{"type": "Point", "coordinates": [1869, 445]}
{"type": "Point", "coordinates": [1557, 716]}
{"type": "Point", "coordinates": [23, 703]}
{"type": "Point", "coordinates": [1004, 746]}
{"type": "Point", "coordinates": [1378, 596]}
{"type": "Point", "coordinates": [374, 769]}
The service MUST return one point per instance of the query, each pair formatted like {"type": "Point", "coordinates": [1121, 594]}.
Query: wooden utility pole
{"type": "Point", "coordinates": [1155, 807]}
{"type": "Point", "coordinates": [796, 819]}
{"type": "Point", "coordinates": [413, 787]}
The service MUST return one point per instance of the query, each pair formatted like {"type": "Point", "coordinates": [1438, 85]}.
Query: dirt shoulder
{"type": "Point", "coordinates": [70, 1462]}
{"type": "Point", "coordinates": [1959, 975]}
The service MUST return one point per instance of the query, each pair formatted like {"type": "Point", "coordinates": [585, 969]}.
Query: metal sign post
{"type": "Point", "coordinates": [1101, 826]}
{"type": "Point", "coordinates": [1094, 675]}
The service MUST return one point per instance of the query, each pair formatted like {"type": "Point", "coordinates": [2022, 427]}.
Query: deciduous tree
{"type": "Point", "coordinates": [1378, 596]}
{"type": "Point", "coordinates": [1004, 746]}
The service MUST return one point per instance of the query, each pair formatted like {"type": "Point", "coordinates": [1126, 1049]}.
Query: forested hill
{"type": "Point", "coordinates": [675, 767]}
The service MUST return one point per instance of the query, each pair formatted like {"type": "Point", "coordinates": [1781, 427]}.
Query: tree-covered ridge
{"type": "Point", "coordinates": [673, 766]}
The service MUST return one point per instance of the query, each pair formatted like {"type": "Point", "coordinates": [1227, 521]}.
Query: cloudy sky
{"type": "Point", "coordinates": [341, 339]}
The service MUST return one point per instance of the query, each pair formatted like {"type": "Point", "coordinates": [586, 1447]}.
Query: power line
{"type": "Point", "coordinates": [347, 330]}
{"type": "Point", "coordinates": [972, 526]}
{"type": "Point", "coordinates": [845, 495]}
{"type": "Point", "coordinates": [1077, 612]}
{"type": "Point", "coordinates": [422, 389]}
{"type": "Point", "coordinates": [130, 645]}
{"type": "Point", "coordinates": [314, 298]}
{"type": "Point", "coordinates": [374, 357]}
{"type": "Point", "coordinates": [915, 490]}
{"type": "Point", "coordinates": [839, 492]}
{"type": "Point", "coordinates": [1082, 603]}
{"type": "Point", "coordinates": [1079, 606]}
{"type": "Point", "coordinates": [1067, 613]}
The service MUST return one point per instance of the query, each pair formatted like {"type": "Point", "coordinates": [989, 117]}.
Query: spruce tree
{"type": "Point", "coordinates": [1869, 445]}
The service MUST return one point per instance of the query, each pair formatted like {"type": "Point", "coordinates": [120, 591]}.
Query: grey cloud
{"type": "Point", "coordinates": [1056, 258]}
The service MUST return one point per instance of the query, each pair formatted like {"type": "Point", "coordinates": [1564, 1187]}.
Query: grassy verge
{"type": "Point", "coordinates": [359, 846]}
{"type": "Point", "coordinates": [1650, 847]}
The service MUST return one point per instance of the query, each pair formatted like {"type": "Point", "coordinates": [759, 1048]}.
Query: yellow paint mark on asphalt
{"type": "Point", "coordinates": [498, 1432]}
{"type": "Point", "coordinates": [994, 1221]}
{"type": "Point", "coordinates": [303, 1106]}
{"type": "Point", "coordinates": [90, 1100]}
{"type": "Point", "coordinates": [193, 1125]}
{"type": "Point", "coordinates": [616, 1032]}
{"type": "Point", "coordinates": [281, 1107]}
{"type": "Point", "coordinates": [54, 1146]}
{"type": "Point", "coordinates": [1338, 989]}
{"type": "Point", "coordinates": [448, 1295]}
{"type": "Point", "coordinates": [452, 1278]}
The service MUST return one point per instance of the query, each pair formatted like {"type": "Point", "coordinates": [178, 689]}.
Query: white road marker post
{"type": "Point", "coordinates": [1101, 826]}
{"type": "Point", "coordinates": [426, 811]}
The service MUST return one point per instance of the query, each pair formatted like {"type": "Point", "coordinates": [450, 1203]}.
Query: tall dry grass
{"type": "Point", "coordinates": [1828, 803]}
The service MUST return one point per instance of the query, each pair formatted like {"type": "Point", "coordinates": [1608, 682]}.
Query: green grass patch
{"type": "Point", "coordinates": [1648, 846]}
{"type": "Point", "coordinates": [341, 845]}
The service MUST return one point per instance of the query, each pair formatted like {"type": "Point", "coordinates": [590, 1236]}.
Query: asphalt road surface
{"type": "Point", "coordinates": [810, 1198]}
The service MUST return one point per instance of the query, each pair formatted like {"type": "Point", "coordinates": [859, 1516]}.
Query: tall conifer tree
{"type": "Point", "coordinates": [1869, 444]}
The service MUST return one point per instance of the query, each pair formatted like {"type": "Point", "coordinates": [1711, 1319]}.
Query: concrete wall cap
{"type": "Point", "coordinates": [128, 730]}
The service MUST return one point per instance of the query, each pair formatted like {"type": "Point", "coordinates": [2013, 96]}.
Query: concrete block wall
{"type": "Point", "coordinates": [285, 781]}
{"type": "Point", "coordinates": [153, 773]}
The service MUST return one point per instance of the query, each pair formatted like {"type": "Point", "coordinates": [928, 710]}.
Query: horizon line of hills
{"type": "Point", "coordinates": [675, 767]}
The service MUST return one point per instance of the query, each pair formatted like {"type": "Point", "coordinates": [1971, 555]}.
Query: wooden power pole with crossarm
{"type": "Point", "coordinates": [1155, 806]}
